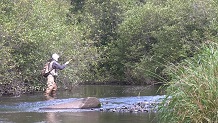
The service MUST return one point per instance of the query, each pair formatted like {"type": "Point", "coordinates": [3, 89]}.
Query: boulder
{"type": "Point", "coordinates": [84, 103]}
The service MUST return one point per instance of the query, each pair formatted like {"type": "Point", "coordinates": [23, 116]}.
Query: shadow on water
{"type": "Point", "coordinates": [27, 107]}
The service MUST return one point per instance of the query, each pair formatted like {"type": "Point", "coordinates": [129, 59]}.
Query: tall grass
{"type": "Point", "coordinates": [192, 95]}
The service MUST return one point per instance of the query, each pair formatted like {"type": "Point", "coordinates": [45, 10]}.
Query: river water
{"type": "Point", "coordinates": [28, 108]}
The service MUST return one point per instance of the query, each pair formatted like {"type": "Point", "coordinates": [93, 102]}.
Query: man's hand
{"type": "Point", "coordinates": [67, 62]}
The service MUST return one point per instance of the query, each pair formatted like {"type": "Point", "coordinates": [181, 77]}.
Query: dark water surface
{"type": "Point", "coordinates": [26, 108]}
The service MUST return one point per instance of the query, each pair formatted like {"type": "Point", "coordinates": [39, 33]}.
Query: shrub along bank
{"type": "Point", "coordinates": [192, 92]}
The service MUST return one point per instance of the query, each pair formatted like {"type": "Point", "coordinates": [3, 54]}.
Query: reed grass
{"type": "Point", "coordinates": [192, 95]}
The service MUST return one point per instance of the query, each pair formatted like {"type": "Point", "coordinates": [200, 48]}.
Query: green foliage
{"type": "Point", "coordinates": [191, 95]}
{"type": "Point", "coordinates": [156, 34]}
{"type": "Point", "coordinates": [98, 21]}
{"type": "Point", "coordinates": [33, 30]}
{"type": "Point", "coordinates": [109, 40]}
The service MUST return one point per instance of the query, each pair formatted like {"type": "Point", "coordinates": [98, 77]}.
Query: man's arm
{"type": "Point", "coordinates": [56, 65]}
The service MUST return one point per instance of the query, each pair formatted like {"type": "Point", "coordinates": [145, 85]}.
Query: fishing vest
{"type": "Point", "coordinates": [53, 71]}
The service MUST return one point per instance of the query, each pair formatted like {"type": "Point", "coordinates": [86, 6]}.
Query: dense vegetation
{"type": "Point", "coordinates": [192, 92]}
{"type": "Point", "coordinates": [129, 41]}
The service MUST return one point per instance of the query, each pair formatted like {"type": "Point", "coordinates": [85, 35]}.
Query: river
{"type": "Point", "coordinates": [27, 108]}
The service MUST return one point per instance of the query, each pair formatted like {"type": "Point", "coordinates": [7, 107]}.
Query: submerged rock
{"type": "Point", "coordinates": [108, 105]}
{"type": "Point", "coordinates": [84, 103]}
{"type": "Point", "coordinates": [139, 107]}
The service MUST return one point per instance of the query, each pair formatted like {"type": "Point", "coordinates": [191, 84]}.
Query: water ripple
{"type": "Point", "coordinates": [110, 102]}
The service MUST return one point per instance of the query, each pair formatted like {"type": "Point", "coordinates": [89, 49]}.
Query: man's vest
{"type": "Point", "coordinates": [53, 71]}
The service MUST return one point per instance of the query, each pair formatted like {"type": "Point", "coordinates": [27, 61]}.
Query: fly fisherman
{"type": "Point", "coordinates": [53, 67]}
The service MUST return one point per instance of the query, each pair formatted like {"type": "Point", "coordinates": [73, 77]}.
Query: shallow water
{"type": "Point", "coordinates": [27, 108]}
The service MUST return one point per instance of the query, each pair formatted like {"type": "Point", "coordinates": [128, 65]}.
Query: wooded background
{"type": "Point", "coordinates": [129, 41]}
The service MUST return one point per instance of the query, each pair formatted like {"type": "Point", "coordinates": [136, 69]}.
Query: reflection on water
{"type": "Point", "coordinates": [26, 109]}
{"type": "Point", "coordinates": [51, 117]}
{"type": "Point", "coordinates": [76, 117]}
{"type": "Point", "coordinates": [110, 91]}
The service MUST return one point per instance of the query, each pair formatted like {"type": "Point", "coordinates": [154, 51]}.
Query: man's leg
{"type": "Point", "coordinates": [54, 89]}
{"type": "Point", "coordinates": [50, 81]}
{"type": "Point", "coordinates": [48, 90]}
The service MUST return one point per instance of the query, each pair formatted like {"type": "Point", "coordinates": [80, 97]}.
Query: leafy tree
{"type": "Point", "coordinates": [33, 30]}
{"type": "Point", "coordinates": [155, 35]}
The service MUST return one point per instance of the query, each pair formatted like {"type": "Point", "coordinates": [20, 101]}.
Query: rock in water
{"type": "Point", "coordinates": [84, 103]}
{"type": "Point", "coordinates": [90, 102]}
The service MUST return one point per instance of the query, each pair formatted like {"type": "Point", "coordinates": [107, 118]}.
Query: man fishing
{"type": "Point", "coordinates": [53, 67]}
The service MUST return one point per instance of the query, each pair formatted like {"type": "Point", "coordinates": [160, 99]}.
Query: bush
{"type": "Point", "coordinates": [31, 31]}
{"type": "Point", "coordinates": [192, 93]}
{"type": "Point", "coordinates": [158, 33]}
